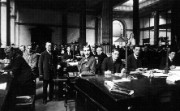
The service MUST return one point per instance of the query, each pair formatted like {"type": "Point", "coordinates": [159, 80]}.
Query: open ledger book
{"type": "Point", "coordinates": [114, 88]}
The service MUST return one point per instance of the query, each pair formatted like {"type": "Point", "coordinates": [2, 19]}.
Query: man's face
{"type": "Point", "coordinates": [22, 48]}
{"type": "Point", "coordinates": [29, 49]}
{"type": "Point", "coordinates": [136, 51]}
{"type": "Point", "coordinates": [9, 53]}
{"type": "Point", "coordinates": [172, 55]}
{"type": "Point", "coordinates": [68, 49]}
{"type": "Point", "coordinates": [86, 51]}
{"type": "Point", "coordinates": [48, 46]}
{"type": "Point", "coordinates": [115, 55]}
{"type": "Point", "coordinates": [92, 48]}
{"type": "Point", "coordinates": [99, 50]}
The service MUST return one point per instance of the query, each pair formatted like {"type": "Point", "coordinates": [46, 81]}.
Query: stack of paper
{"type": "Point", "coordinates": [172, 79]}
{"type": "Point", "coordinates": [3, 86]}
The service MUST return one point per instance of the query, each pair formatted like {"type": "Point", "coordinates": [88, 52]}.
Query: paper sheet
{"type": "Point", "coordinates": [121, 80]}
{"type": "Point", "coordinates": [156, 75]}
{"type": "Point", "coordinates": [3, 86]}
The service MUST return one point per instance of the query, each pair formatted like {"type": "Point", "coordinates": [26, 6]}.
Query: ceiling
{"type": "Point", "coordinates": [72, 5]}
{"type": "Point", "coordinates": [94, 6]}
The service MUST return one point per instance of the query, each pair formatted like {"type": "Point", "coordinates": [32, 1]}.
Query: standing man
{"type": "Point", "coordinates": [87, 65]}
{"type": "Point", "coordinates": [46, 71]}
{"type": "Point", "coordinates": [112, 63]}
{"type": "Point", "coordinates": [133, 60]}
{"type": "Point", "coordinates": [100, 57]}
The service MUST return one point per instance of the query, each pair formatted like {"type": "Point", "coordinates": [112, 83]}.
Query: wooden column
{"type": "Point", "coordinates": [8, 24]}
{"type": "Point", "coordinates": [96, 30]}
{"type": "Point", "coordinates": [156, 28]}
{"type": "Point", "coordinates": [12, 22]}
{"type": "Point", "coordinates": [136, 25]}
{"type": "Point", "coordinates": [175, 25]}
{"type": "Point", "coordinates": [3, 23]}
{"type": "Point", "coordinates": [107, 24]}
{"type": "Point", "coordinates": [64, 27]}
{"type": "Point", "coordinates": [82, 39]}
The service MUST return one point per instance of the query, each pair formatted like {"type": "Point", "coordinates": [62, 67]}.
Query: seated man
{"type": "Point", "coordinates": [87, 65]}
{"type": "Point", "coordinates": [112, 63]}
{"type": "Point", "coordinates": [171, 62]}
{"type": "Point", "coordinates": [32, 58]}
{"type": "Point", "coordinates": [23, 78]}
{"type": "Point", "coordinates": [100, 57]}
{"type": "Point", "coordinates": [68, 55]}
{"type": "Point", "coordinates": [133, 60]}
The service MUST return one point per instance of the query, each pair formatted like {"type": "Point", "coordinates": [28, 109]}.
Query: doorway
{"type": "Point", "coordinates": [41, 35]}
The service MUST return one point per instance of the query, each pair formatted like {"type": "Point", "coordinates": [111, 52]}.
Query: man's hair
{"type": "Point", "coordinates": [16, 51]}
{"type": "Point", "coordinates": [99, 47]}
{"type": "Point", "coordinates": [114, 49]}
{"type": "Point", "coordinates": [47, 43]}
{"type": "Point", "coordinates": [135, 46]}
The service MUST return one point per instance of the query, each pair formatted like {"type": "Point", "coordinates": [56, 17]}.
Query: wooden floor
{"type": "Point", "coordinates": [54, 106]}
{"type": "Point", "coordinates": [51, 105]}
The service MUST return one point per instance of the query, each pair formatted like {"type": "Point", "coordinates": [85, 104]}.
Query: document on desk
{"type": "Point", "coordinates": [156, 75]}
{"type": "Point", "coordinates": [114, 88]}
{"type": "Point", "coordinates": [3, 86]}
{"type": "Point", "coordinates": [121, 80]}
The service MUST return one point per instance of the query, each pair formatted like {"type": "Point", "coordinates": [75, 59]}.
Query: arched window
{"type": "Point", "coordinates": [118, 31]}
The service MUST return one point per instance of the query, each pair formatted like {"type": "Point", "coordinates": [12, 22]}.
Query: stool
{"type": "Point", "coordinates": [25, 103]}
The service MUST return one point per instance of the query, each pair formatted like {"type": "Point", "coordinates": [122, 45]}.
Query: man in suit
{"type": "Point", "coordinates": [68, 55]}
{"type": "Point", "coordinates": [23, 83]}
{"type": "Point", "coordinates": [32, 59]}
{"type": "Point", "coordinates": [99, 59]}
{"type": "Point", "coordinates": [23, 78]}
{"type": "Point", "coordinates": [46, 71]}
{"type": "Point", "coordinates": [113, 63]}
{"type": "Point", "coordinates": [87, 65]}
{"type": "Point", "coordinates": [171, 62]}
{"type": "Point", "coordinates": [133, 60]}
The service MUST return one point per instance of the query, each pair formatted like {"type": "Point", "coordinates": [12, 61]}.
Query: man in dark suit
{"type": "Point", "coordinates": [68, 55]}
{"type": "Point", "coordinates": [133, 60]}
{"type": "Point", "coordinates": [113, 63]}
{"type": "Point", "coordinates": [46, 71]}
{"type": "Point", "coordinates": [99, 58]}
{"type": "Point", "coordinates": [171, 62]}
{"type": "Point", "coordinates": [23, 78]}
{"type": "Point", "coordinates": [23, 83]}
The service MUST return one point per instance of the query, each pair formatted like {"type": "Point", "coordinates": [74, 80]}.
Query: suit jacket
{"type": "Point", "coordinates": [66, 56]}
{"type": "Point", "coordinates": [163, 63]}
{"type": "Point", "coordinates": [133, 63]}
{"type": "Point", "coordinates": [21, 70]}
{"type": "Point", "coordinates": [99, 63]}
{"type": "Point", "coordinates": [87, 66]}
{"type": "Point", "coordinates": [46, 66]}
{"type": "Point", "coordinates": [114, 67]}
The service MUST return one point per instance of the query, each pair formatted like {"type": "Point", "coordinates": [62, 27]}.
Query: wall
{"type": "Point", "coordinates": [30, 18]}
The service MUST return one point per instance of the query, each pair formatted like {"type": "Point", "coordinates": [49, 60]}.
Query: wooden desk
{"type": "Point", "coordinates": [4, 103]}
{"type": "Point", "coordinates": [93, 95]}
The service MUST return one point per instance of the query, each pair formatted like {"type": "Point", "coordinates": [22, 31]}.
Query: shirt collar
{"type": "Point", "coordinates": [135, 56]}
